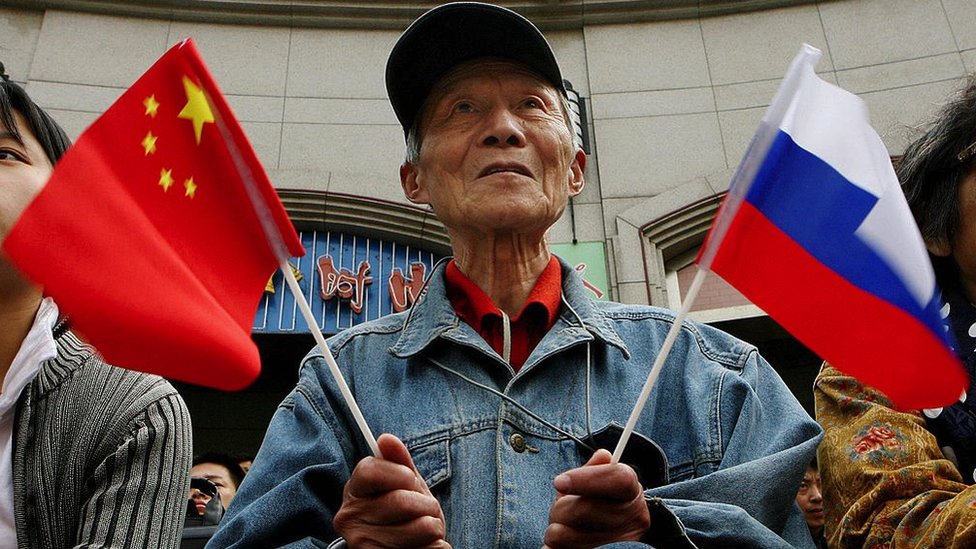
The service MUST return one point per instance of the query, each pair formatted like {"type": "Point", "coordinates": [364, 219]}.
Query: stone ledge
{"type": "Point", "coordinates": [548, 14]}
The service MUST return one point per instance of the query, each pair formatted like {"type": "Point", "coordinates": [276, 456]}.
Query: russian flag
{"type": "Point", "coordinates": [816, 232]}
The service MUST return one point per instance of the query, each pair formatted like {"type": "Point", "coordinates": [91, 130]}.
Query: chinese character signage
{"type": "Point", "coordinates": [347, 280]}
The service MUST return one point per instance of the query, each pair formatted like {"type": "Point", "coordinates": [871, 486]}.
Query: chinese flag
{"type": "Point", "coordinates": [159, 229]}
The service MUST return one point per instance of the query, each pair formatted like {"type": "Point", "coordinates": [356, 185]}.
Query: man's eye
{"type": "Point", "coordinates": [532, 103]}
{"type": "Point", "coordinates": [7, 154]}
{"type": "Point", "coordinates": [463, 106]}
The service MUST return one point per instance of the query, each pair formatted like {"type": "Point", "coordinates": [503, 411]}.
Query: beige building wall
{"type": "Point", "coordinates": [672, 103]}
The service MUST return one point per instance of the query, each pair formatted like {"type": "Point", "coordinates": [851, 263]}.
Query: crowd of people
{"type": "Point", "coordinates": [501, 391]}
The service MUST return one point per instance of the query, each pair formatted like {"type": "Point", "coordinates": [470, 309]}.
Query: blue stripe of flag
{"type": "Point", "coordinates": [820, 209]}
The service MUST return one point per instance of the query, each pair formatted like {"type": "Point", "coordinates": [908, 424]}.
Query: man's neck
{"type": "Point", "coordinates": [17, 314]}
{"type": "Point", "coordinates": [504, 268]}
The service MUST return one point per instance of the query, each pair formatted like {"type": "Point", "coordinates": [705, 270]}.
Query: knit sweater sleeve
{"type": "Point", "coordinates": [136, 495]}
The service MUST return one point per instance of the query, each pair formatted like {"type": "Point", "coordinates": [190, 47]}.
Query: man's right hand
{"type": "Point", "coordinates": [386, 503]}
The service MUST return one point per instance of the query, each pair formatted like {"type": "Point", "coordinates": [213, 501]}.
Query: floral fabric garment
{"type": "Point", "coordinates": [886, 482]}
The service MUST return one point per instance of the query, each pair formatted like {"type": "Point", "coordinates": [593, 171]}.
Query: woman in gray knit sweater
{"type": "Point", "coordinates": [90, 454]}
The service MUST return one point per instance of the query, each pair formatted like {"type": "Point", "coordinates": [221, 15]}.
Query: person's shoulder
{"type": "Point", "coordinates": [379, 333]}
{"type": "Point", "coordinates": [386, 326]}
{"type": "Point", "coordinates": [633, 321]}
{"type": "Point", "coordinates": [142, 384]}
{"type": "Point", "coordinates": [79, 370]}
{"type": "Point", "coordinates": [78, 391]}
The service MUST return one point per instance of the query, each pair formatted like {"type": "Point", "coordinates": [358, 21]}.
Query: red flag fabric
{"type": "Point", "coordinates": [158, 230]}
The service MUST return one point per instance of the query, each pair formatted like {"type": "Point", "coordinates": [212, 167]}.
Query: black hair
{"type": "Point", "coordinates": [224, 460]}
{"type": "Point", "coordinates": [48, 133]}
{"type": "Point", "coordinates": [933, 168]}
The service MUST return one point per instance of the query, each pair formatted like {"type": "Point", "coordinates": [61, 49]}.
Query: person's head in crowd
{"type": "Point", "coordinates": [484, 110]}
{"type": "Point", "coordinates": [31, 142]}
{"type": "Point", "coordinates": [220, 469]}
{"type": "Point", "coordinates": [145, 487]}
{"type": "Point", "coordinates": [810, 500]}
{"type": "Point", "coordinates": [938, 175]}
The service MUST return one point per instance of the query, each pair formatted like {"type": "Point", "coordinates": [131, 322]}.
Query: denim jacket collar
{"type": "Point", "coordinates": [433, 317]}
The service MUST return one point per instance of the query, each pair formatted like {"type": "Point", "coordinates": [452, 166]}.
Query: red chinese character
{"type": "Point", "coordinates": [343, 282]}
{"type": "Point", "coordinates": [404, 291]}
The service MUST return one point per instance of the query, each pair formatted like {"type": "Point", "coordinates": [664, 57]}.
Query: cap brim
{"type": "Point", "coordinates": [449, 35]}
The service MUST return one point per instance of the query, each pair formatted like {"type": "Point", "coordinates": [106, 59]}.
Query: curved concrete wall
{"type": "Point", "coordinates": [672, 103]}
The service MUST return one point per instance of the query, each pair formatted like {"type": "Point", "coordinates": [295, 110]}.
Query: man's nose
{"type": "Point", "coordinates": [815, 494]}
{"type": "Point", "coordinates": [502, 127]}
{"type": "Point", "coordinates": [197, 495]}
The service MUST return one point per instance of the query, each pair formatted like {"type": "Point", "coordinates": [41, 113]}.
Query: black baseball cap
{"type": "Point", "coordinates": [451, 34]}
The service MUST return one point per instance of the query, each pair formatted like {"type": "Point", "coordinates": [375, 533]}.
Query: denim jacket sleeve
{"type": "Point", "coordinates": [289, 497]}
{"type": "Point", "coordinates": [748, 500]}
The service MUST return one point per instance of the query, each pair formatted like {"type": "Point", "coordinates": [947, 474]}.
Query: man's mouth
{"type": "Point", "coordinates": [506, 168]}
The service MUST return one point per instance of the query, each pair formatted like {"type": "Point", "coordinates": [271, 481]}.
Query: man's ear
{"type": "Point", "coordinates": [939, 246]}
{"type": "Point", "coordinates": [576, 170]}
{"type": "Point", "coordinates": [412, 188]}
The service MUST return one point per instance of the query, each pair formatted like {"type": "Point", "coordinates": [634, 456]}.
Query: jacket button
{"type": "Point", "coordinates": [518, 442]}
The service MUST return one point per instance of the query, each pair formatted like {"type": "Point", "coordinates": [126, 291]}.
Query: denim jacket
{"type": "Point", "coordinates": [489, 441]}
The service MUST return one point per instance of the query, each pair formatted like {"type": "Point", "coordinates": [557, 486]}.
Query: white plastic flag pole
{"type": "Point", "coordinates": [738, 188]}
{"type": "Point", "coordinates": [329, 360]}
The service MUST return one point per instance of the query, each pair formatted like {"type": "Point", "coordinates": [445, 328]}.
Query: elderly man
{"type": "Point", "coordinates": [505, 378]}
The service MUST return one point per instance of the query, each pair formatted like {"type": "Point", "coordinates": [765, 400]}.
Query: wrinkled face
{"type": "Point", "coordinates": [220, 476]}
{"type": "Point", "coordinates": [810, 500]}
{"type": "Point", "coordinates": [496, 154]}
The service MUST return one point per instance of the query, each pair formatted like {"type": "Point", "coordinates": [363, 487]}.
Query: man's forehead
{"type": "Point", "coordinates": [211, 469]}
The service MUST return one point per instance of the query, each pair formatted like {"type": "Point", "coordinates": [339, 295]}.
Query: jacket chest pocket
{"type": "Point", "coordinates": [433, 462]}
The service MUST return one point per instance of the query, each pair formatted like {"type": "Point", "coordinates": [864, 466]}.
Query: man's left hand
{"type": "Point", "coordinates": [596, 504]}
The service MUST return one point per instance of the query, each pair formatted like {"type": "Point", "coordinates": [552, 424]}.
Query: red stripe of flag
{"type": "Point", "coordinates": [876, 342]}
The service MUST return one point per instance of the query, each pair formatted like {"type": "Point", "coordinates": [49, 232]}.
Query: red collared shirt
{"type": "Point", "coordinates": [514, 337]}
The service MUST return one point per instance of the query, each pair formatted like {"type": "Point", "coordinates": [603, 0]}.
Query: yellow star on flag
{"type": "Point", "coordinates": [149, 143]}
{"type": "Point", "coordinates": [151, 106]}
{"type": "Point", "coordinates": [165, 179]}
{"type": "Point", "coordinates": [197, 108]}
{"type": "Point", "coordinates": [191, 187]}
